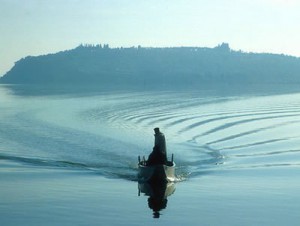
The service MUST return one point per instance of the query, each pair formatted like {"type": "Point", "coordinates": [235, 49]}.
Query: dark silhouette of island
{"type": "Point", "coordinates": [180, 66]}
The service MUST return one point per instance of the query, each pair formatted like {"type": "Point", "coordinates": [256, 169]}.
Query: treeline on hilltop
{"type": "Point", "coordinates": [138, 65]}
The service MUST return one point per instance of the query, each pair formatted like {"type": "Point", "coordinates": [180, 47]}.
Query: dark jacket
{"type": "Point", "coordinates": [159, 153]}
{"type": "Point", "coordinates": [160, 143]}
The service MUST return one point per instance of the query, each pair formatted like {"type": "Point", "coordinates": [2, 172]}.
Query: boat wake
{"type": "Point", "coordinates": [104, 133]}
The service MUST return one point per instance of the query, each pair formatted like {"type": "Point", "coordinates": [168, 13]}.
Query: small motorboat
{"type": "Point", "coordinates": [156, 173]}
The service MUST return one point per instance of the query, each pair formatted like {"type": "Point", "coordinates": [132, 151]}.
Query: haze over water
{"type": "Point", "coordinates": [237, 156]}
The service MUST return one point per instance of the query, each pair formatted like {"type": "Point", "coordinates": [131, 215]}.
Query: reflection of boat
{"type": "Point", "coordinates": [152, 189]}
{"type": "Point", "coordinates": [157, 173]}
{"type": "Point", "coordinates": [158, 193]}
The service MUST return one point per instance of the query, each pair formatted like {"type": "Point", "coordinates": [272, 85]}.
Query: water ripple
{"type": "Point", "coordinates": [107, 132]}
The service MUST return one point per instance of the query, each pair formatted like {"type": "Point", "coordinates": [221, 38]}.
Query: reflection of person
{"type": "Point", "coordinates": [159, 153]}
{"type": "Point", "coordinates": [157, 205]}
{"type": "Point", "coordinates": [157, 193]}
{"type": "Point", "coordinates": [157, 200]}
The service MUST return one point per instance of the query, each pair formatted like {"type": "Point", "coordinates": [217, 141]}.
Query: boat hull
{"type": "Point", "coordinates": [156, 173]}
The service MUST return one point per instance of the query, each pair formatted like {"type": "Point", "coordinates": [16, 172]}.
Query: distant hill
{"type": "Point", "coordinates": [155, 66]}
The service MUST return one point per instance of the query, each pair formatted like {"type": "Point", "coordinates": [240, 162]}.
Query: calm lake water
{"type": "Point", "coordinates": [70, 158]}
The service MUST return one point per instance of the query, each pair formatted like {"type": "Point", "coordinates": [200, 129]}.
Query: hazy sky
{"type": "Point", "coordinates": [35, 27]}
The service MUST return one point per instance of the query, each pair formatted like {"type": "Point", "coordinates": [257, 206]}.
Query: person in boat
{"type": "Point", "coordinates": [159, 153]}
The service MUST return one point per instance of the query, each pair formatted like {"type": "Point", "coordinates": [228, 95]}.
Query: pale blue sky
{"type": "Point", "coordinates": [35, 27]}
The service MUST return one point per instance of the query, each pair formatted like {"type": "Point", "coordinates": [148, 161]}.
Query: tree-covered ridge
{"type": "Point", "coordinates": [136, 65]}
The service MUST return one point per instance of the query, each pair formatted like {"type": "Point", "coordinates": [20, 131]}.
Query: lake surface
{"type": "Point", "coordinates": [70, 158]}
